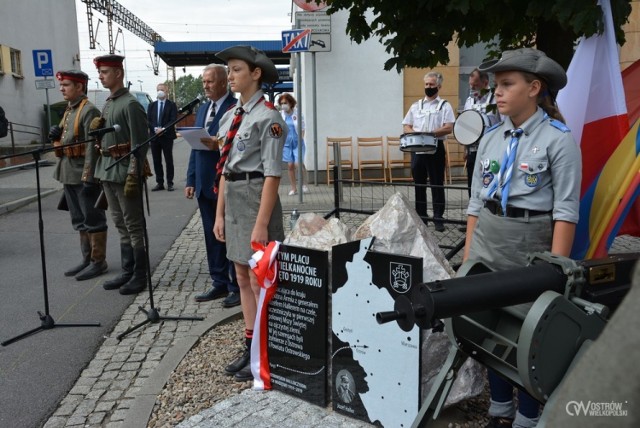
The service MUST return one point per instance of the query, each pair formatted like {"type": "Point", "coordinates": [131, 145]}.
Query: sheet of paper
{"type": "Point", "coordinates": [192, 135]}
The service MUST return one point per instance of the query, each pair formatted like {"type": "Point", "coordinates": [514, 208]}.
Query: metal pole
{"type": "Point", "coordinates": [46, 92]}
{"type": "Point", "coordinates": [299, 98]}
{"type": "Point", "coordinates": [314, 124]}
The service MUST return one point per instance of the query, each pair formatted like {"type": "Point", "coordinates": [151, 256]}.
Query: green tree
{"type": "Point", "coordinates": [416, 32]}
{"type": "Point", "coordinates": [187, 88]}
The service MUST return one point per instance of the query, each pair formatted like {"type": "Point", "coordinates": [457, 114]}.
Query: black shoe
{"type": "Point", "coordinates": [158, 187]}
{"type": "Point", "coordinates": [239, 363]}
{"type": "Point", "coordinates": [244, 374]}
{"type": "Point", "coordinates": [118, 281]}
{"type": "Point", "coordinates": [214, 293]}
{"type": "Point", "coordinates": [77, 269]}
{"type": "Point", "coordinates": [170, 188]}
{"type": "Point", "coordinates": [94, 270]}
{"type": "Point", "coordinates": [233, 299]}
{"type": "Point", "coordinates": [438, 226]}
{"type": "Point", "coordinates": [499, 422]}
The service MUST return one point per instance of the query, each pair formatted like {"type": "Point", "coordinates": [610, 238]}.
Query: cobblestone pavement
{"type": "Point", "coordinates": [119, 386]}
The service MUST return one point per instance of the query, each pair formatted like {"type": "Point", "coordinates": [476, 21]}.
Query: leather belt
{"type": "Point", "coordinates": [514, 212]}
{"type": "Point", "coordinates": [239, 176]}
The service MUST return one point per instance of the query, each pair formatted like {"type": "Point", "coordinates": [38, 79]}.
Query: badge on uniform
{"type": "Point", "coordinates": [487, 178]}
{"type": "Point", "coordinates": [275, 130]}
{"type": "Point", "coordinates": [241, 146]}
{"type": "Point", "coordinates": [531, 180]}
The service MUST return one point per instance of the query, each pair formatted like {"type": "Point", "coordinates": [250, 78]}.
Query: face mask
{"type": "Point", "coordinates": [161, 95]}
{"type": "Point", "coordinates": [285, 108]}
{"type": "Point", "coordinates": [430, 92]}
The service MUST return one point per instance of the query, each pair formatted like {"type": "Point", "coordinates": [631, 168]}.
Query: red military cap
{"type": "Point", "coordinates": [108, 61]}
{"type": "Point", "coordinates": [75, 75]}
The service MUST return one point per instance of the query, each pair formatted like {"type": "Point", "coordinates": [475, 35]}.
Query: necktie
{"type": "Point", "coordinates": [160, 111]}
{"type": "Point", "coordinates": [226, 148]}
{"type": "Point", "coordinates": [211, 116]}
{"type": "Point", "coordinates": [506, 169]}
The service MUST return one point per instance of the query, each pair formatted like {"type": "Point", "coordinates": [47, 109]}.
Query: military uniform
{"type": "Point", "coordinates": [256, 152]}
{"type": "Point", "coordinates": [123, 109]}
{"type": "Point", "coordinates": [80, 189]}
{"type": "Point", "coordinates": [426, 116]}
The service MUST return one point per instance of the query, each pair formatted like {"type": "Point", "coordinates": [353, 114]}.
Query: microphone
{"type": "Point", "coordinates": [100, 132]}
{"type": "Point", "coordinates": [191, 105]}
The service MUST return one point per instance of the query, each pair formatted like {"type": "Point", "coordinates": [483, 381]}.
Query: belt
{"type": "Point", "coordinates": [515, 212]}
{"type": "Point", "coordinates": [239, 176]}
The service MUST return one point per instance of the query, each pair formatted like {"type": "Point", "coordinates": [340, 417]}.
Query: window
{"type": "Point", "coordinates": [16, 62]}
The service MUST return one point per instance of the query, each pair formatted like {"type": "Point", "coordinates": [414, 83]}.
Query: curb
{"type": "Point", "coordinates": [140, 412]}
{"type": "Point", "coordinates": [14, 205]}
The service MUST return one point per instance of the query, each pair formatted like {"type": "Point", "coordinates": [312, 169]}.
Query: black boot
{"type": "Point", "coordinates": [85, 248]}
{"type": "Point", "coordinates": [128, 262]}
{"type": "Point", "coordinates": [138, 281]}
{"type": "Point", "coordinates": [98, 264]}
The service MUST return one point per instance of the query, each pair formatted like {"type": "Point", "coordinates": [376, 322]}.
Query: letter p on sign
{"type": "Point", "coordinates": [43, 62]}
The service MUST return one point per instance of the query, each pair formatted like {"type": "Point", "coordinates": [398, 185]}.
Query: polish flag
{"type": "Point", "coordinates": [593, 105]}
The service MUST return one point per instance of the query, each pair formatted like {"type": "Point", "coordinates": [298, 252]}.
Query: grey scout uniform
{"type": "Point", "coordinates": [257, 147]}
{"type": "Point", "coordinates": [72, 171]}
{"type": "Point", "coordinates": [546, 178]}
{"type": "Point", "coordinates": [123, 109]}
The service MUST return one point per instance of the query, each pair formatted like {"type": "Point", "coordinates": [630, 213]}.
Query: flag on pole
{"type": "Point", "coordinates": [593, 105]}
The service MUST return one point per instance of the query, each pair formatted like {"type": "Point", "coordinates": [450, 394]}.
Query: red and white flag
{"type": "Point", "coordinates": [264, 264]}
{"type": "Point", "coordinates": [593, 105]}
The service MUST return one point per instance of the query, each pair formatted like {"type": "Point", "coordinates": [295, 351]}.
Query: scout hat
{"type": "Point", "coordinates": [252, 56]}
{"type": "Point", "coordinates": [108, 61]}
{"type": "Point", "coordinates": [74, 75]}
{"type": "Point", "coordinates": [531, 61]}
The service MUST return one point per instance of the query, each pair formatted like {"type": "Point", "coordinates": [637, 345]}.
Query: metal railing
{"type": "Point", "coordinates": [21, 128]}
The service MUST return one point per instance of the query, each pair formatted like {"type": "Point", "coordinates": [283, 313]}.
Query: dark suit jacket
{"type": "Point", "coordinates": [202, 163]}
{"type": "Point", "coordinates": [169, 114]}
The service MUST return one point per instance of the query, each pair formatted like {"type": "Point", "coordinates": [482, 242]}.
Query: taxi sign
{"type": "Point", "coordinates": [296, 40]}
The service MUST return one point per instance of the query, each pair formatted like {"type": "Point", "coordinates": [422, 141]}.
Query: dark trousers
{"type": "Point", "coordinates": [221, 269]}
{"type": "Point", "coordinates": [81, 200]}
{"type": "Point", "coordinates": [502, 392]}
{"type": "Point", "coordinates": [429, 167]}
{"type": "Point", "coordinates": [471, 161]}
{"type": "Point", "coordinates": [158, 148]}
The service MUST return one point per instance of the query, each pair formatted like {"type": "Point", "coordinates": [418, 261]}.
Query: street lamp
{"type": "Point", "coordinates": [140, 82]}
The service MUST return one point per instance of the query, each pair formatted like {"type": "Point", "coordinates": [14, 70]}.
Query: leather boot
{"type": "Point", "coordinates": [138, 281]}
{"type": "Point", "coordinates": [98, 264]}
{"type": "Point", "coordinates": [128, 262]}
{"type": "Point", "coordinates": [85, 248]}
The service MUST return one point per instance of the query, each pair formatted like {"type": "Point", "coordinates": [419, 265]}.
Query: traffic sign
{"type": "Point", "coordinates": [45, 84]}
{"type": "Point", "coordinates": [43, 62]}
{"type": "Point", "coordinates": [320, 42]}
{"type": "Point", "coordinates": [317, 22]}
{"type": "Point", "coordinates": [296, 40]}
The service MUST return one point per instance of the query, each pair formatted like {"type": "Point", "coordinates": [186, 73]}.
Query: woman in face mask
{"type": "Point", "coordinates": [290, 113]}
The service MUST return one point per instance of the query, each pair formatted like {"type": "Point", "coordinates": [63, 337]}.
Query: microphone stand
{"type": "Point", "coordinates": [46, 320]}
{"type": "Point", "coordinates": [153, 315]}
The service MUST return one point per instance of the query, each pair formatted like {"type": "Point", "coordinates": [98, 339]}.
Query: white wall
{"type": "Point", "coordinates": [28, 25]}
{"type": "Point", "coordinates": [355, 95]}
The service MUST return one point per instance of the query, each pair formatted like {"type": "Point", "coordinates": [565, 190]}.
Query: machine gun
{"type": "Point", "coordinates": [527, 324]}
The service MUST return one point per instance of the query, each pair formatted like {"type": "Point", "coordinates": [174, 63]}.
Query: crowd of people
{"type": "Point", "coordinates": [524, 174]}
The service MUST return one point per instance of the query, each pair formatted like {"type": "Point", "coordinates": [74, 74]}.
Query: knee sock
{"type": "Point", "coordinates": [248, 336]}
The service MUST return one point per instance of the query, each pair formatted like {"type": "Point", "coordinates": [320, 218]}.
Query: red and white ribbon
{"type": "Point", "coordinates": [264, 264]}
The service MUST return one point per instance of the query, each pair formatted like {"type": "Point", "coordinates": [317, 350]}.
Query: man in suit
{"type": "Point", "coordinates": [161, 112]}
{"type": "Point", "coordinates": [200, 176]}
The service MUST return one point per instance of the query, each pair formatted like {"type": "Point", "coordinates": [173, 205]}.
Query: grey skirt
{"type": "Point", "coordinates": [242, 202]}
{"type": "Point", "coordinates": [504, 242]}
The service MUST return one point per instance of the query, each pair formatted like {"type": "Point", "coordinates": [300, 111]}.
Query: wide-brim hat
{"type": "Point", "coordinates": [108, 61]}
{"type": "Point", "coordinates": [531, 61]}
{"type": "Point", "coordinates": [73, 75]}
{"type": "Point", "coordinates": [252, 56]}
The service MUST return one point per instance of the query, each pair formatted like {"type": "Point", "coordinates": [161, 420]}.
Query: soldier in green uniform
{"type": "Point", "coordinates": [73, 170]}
{"type": "Point", "coordinates": [120, 183]}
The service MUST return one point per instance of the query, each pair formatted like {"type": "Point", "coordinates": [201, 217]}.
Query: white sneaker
{"type": "Point", "coordinates": [292, 192]}
{"type": "Point", "coordinates": [305, 189]}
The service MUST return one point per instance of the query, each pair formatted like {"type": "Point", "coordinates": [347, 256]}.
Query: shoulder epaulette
{"type": "Point", "coordinates": [559, 125]}
{"type": "Point", "coordinates": [492, 127]}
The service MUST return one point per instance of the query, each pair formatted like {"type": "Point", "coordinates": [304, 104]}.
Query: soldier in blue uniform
{"type": "Point", "coordinates": [525, 189]}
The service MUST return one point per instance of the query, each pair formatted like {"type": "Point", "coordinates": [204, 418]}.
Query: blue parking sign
{"type": "Point", "coordinates": [43, 62]}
